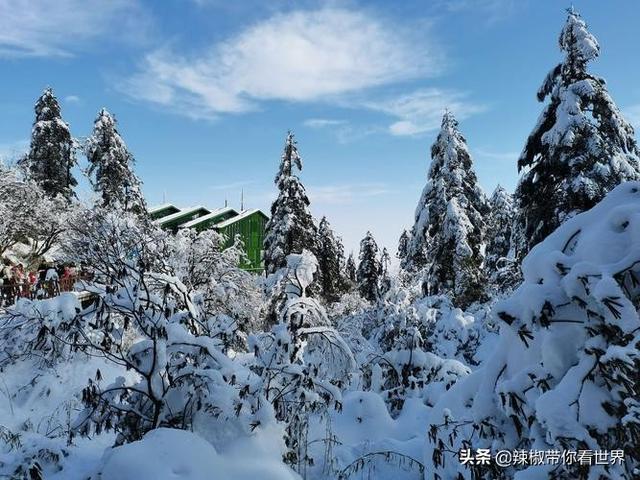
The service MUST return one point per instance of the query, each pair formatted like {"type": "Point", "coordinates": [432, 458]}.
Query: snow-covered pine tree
{"type": "Point", "coordinates": [291, 227]}
{"type": "Point", "coordinates": [580, 148]}
{"type": "Point", "coordinates": [499, 261]}
{"type": "Point", "coordinates": [111, 165]}
{"type": "Point", "coordinates": [351, 271]}
{"type": "Point", "coordinates": [330, 262]}
{"type": "Point", "coordinates": [385, 275]}
{"type": "Point", "coordinates": [403, 245]}
{"type": "Point", "coordinates": [369, 269]}
{"type": "Point", "coordinates": [447, 238]}
{"type": "Point", "coordinates": [52, 153]}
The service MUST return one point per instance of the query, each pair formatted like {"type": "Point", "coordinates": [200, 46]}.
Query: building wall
{"type": "Point", "coordinates": [252, 231]}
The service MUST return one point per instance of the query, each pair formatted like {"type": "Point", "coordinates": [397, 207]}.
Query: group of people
{"type": "Point", "coordinates": [44, 282]}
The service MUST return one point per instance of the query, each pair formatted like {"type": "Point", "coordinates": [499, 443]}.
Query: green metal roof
{"type": "Point", "coordinates": [215, 214]}
{"type": "Point", "coordinates": [245, 214]}
{"type": "Point", "coordinates": [160, 211]}
{"type": "Point", "coordinates": [184, 213]}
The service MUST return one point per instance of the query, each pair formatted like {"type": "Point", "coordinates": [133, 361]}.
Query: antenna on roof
{"type": "Point", "coordinates": [242, 200]}
{"type": "Point", "coordinates": [164, 196]}
{"type": "Point", "coordinates": [225, 202]}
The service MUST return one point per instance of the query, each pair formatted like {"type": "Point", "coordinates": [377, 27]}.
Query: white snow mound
{"type": "Point", "coordinates": [168, 454]}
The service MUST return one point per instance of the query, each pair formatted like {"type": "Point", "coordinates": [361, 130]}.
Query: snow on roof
{"type": "Point", "coordinates": [214, 213]}
{"type": "Point", "coordinates": [159, 208]}
{"type": "Point", "coordinates": [181, 213]}
{"type": "Point", "coordinates": [244, 214]}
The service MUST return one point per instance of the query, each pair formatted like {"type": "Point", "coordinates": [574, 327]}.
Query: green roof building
{"type": "Point", "coordinates": [250, 225]}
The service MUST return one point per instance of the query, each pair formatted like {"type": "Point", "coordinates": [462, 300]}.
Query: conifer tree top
{"type": "Point", "coordinates": [47, 107]}
{"type": "Point", "coordinates": [500, 196]}
{"type": "Point", "coordinates": [290, 158]}
{"type": "Point", "coordinates": [578, 43]}
{"type": "Point", "coordinates": [449, 151]}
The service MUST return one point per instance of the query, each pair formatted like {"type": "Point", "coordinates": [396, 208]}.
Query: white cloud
{"type": "Point", "coordinates": [58, 28]}
{"type": "Point", "coordinates": [323, 122]}
{"type": "Point", "coordinates": [72, 99]}
{"type": "Point", "coordinates": [495, 155]}
{"type": "Point", "coordinates": [340, 194]}
{"type": "Point", "coordinates": [421, 111]}
{"type": "Point", "coordinates": [297, 56]}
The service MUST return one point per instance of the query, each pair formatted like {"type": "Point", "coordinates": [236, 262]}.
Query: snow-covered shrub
{"type": "Point", "coordinates": [303, 362]}
{"type": "Point", "coordinates": [225, 295]}
{"type": "Point", "coordinates": [408, 371]}
{"type": "Point", "coordinates": [564, 374]}
{"type": "Point", "coordinates": [29, 216]}
{"type": "Point", "coordinates": [45, 329]}
{"type": "Point", "coordinates": [138, 323]}
{"type": "Point", "coordinates": [29, 457]}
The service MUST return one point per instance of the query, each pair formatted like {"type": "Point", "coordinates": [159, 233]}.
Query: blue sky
{"type": "Point", "coordinates": [205, 90]}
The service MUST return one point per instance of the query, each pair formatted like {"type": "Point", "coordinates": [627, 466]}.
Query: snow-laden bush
{"type": "Point", "coordinates": [224, 294]}
{"type": "Point", "coordinates": [147, 321]}
{"type": "Point", "coordinates": [304, 364]}
{"type": "Point", "coordinates": [564, 374]}
{"type": "Point", "coordinates": [42, 328]}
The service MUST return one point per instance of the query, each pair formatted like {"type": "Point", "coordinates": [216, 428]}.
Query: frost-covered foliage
{"type": "Point", "coordinates": [291, 227]}
{"type": "Point", "coordinates": [52, 153]}
{"type": "Point", "coordinates": [331, 262]}
{"type": "Point", "coordinates": [224, 295]}
{"type": "Point", "coordinates": [111, 167]}
{"type": "Point", "coordinates": [563, 375]}
{"type": "Point", "coordinates": [408, 371]}
{"type": "Point", "coordinates": [303, 363]}
{"type": "Point", "coordinates": [181, 372]}
{"type": "Point", "coordinates": [581, 147]}
{"type": "Point", "coordinates": [369, 269]}
{"type": "Point", "coordinates": [447, 238]}
{"type": "Point", "coordinates": [500, 263]}
{"type": "Point", "coordinates": [29, 216]}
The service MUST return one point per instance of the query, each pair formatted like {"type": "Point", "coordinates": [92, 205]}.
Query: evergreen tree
{"type": "Point", "coordinates": [52, 153]}
{"type": "Point", "coordinates": [351, 270]}
{"type": "Point", "coordinates": [369, 269]}
{"type": "Point", "coordinates": [447, 239]}
{"type": "Point", "coordinates": [499, 254]}
{"type": "Point", "coordinates": [111, 163]}
{"type": "Point", "coordinates": [580, 148]}
{"type": "Point", "coordinates": [385, 276]}
{"type": "Point", "coordinates": [403, 245]}
{"type": "Point", "coordinates": [291, 228]}
{"type": "Point", "coordinates": [330, 262]}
